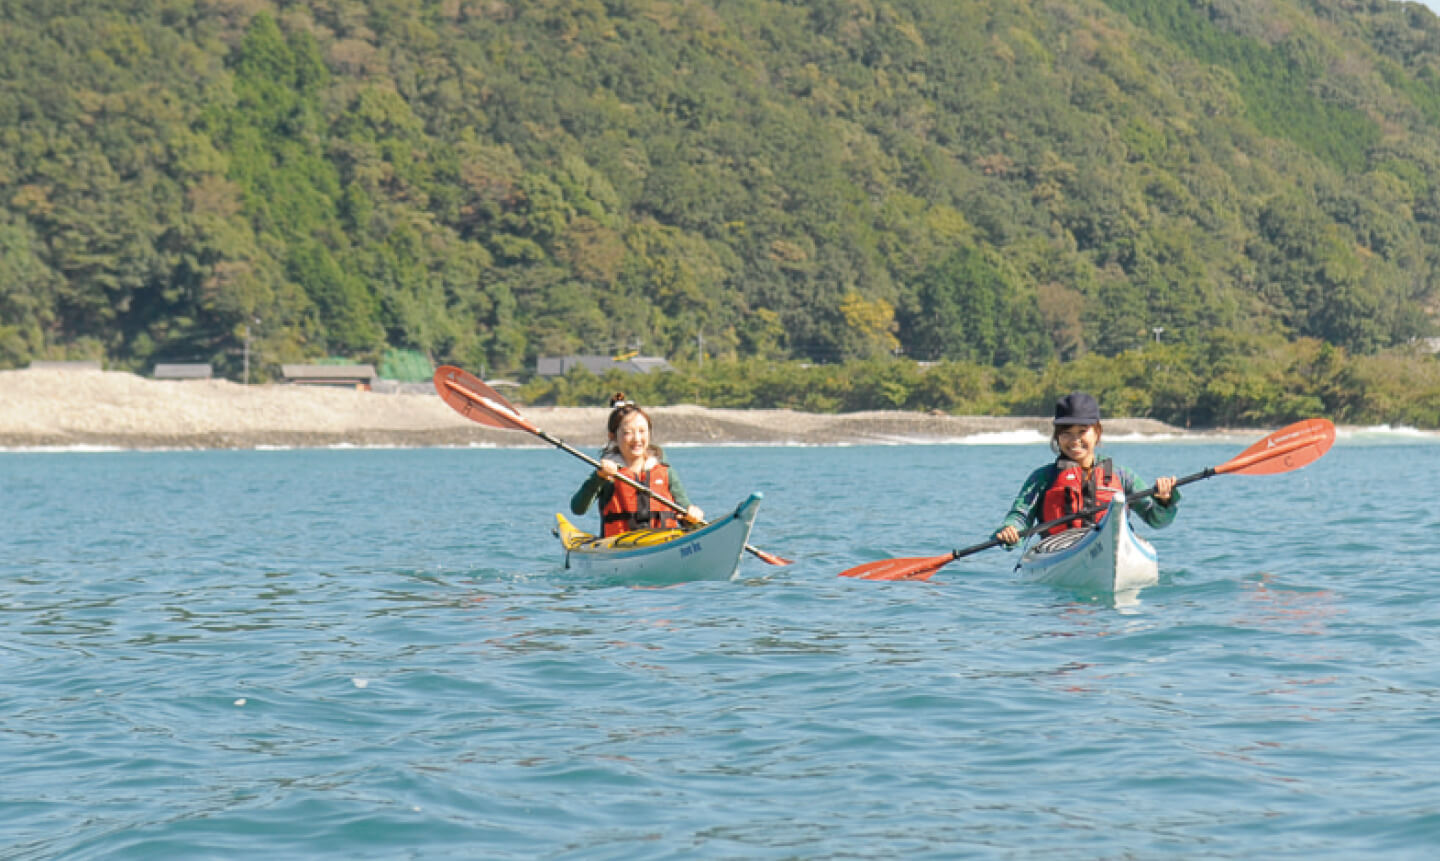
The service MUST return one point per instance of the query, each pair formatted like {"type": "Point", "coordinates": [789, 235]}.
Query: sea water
{"type": "Point", "coordinates": [377, 654]}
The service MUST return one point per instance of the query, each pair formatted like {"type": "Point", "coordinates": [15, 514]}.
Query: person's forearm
{"type": "Point", "coordinates": [580, 502]}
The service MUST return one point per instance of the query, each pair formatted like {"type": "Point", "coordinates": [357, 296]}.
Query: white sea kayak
{"type": "Point", "coordinates": [656, 557]}
{"type": "Point", "coordinates": [1108, 557]}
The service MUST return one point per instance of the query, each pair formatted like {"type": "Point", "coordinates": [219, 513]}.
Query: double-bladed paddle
{"type": "Point", "coordinates": [1289, 448]}
{"type": "Point", "coordinates": [471, 398]}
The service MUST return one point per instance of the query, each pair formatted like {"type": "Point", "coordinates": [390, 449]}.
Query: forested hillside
{"type": "Point", "coordinates": [997, 182]}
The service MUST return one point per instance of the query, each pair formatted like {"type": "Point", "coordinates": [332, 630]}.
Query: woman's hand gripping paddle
{"type": "Point", "coordinates": [474, 400]}
{"type": "Point", "coordinates": [1289, 448]}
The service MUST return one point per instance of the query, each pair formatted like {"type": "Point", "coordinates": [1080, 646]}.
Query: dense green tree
{"type": "Point", "coordinates": [1009, 188]}
{"type": "Point", "coordinates": [968, 307]}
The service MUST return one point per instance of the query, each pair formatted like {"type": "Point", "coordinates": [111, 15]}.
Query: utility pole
{"type": "Point", "coordinates": [247, 348]}
{"type": "Point", "coordinates": [700, 348]}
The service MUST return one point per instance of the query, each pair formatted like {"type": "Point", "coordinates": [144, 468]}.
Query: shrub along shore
{"type": "Point", "coordinates": [1231, 381]}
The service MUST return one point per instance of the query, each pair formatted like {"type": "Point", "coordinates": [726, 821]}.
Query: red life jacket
{"type": "Point", "coordinates": [1070, 493]}
{"type": "Point", "coordinates": [629, 509]}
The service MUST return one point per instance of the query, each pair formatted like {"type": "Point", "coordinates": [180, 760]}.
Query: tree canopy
{"type": "Point", "coordinates": [1004, 183]}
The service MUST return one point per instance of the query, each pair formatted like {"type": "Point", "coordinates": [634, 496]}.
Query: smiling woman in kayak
{"type": "Point", "coordinates": [1076, 481]}
{"type": "Point", "coordinates": [631, 453]}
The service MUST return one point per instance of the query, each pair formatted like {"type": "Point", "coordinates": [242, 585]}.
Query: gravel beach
{"type": "Point", "coordinates": [44, 408]}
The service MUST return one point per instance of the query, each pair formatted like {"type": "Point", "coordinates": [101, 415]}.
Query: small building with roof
{"type": "Point", "coordinates": [76, 365]}
{"type": "Point", "coordinates": [555, 366]}
{"type": "Point", "coordinates": [183, 371]}
{"type": "Point", "coordinates": [361, 377]}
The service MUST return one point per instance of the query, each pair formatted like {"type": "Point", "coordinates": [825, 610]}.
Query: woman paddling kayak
{"type": "Point", "coordinates": [1077, 481]}
{"type": "Point", "coordinates": [631, 453]}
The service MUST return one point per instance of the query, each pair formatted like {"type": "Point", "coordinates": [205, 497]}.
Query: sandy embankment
{"type": "Point", "coordinates": [68, 408]}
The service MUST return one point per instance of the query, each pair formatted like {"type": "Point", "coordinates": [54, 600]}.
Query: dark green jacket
{"type": "Point", "coordinates": [1025, 511]}
{"type": "Point", "coordinates": [596, 487]}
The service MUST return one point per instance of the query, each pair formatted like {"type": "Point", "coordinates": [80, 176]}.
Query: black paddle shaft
{"type": "Point", "coordinates": [1094, 509]}
{"type": "Point", "coordinates": [765, 556]}
{"type": "Point", "coordinates": [561, 444]}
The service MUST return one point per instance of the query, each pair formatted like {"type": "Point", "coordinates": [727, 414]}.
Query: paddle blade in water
{"type": "Point", "coordinates": [471, 398]}
{"type": "Point", "coordinates": [1291, 447]}
{"type": "Point", "coordinates": [914, 568]}
{"type": "Point", "coordinates": [768, 557]}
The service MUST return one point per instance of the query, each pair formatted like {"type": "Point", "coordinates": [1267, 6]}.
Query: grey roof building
{"type": "Point", "coordinates": [554, 366]}
{"type": "Point", "coordinates": [183, 371]}
{"type": "Point", "coordinates": [77, 365]}
{"type": "Point", "coordinates": [346, 376]}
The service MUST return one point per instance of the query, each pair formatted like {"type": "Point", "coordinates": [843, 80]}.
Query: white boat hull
{"type": "Point", "coordinates": [659, 557]}
{"type": "Point", "coordinates": [1108, 557]}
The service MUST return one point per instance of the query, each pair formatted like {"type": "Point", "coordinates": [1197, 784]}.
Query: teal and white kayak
{"type": "Point", "coordinates": [655, 557]}
{"type": "Point", "coordinates": [1108, 557]}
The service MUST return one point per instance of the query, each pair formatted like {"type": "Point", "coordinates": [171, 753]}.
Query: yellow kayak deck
{"type": "Point", "coordinates": [575, 538]}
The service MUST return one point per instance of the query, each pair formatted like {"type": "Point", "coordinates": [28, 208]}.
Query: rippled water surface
{"type": "Point", "coordinates": [375, 653]}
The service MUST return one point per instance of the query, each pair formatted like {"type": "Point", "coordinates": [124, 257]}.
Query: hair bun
{"type": "Point", "coordinates": [618, 400]}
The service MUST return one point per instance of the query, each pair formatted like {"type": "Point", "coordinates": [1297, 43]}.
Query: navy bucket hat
{"type": "Point", "coordinates": [1077, 408]}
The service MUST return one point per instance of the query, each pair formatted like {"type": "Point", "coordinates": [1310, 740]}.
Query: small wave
{"type": "Point", "coordinates": [1014, 437]}
{"type": "Point", "coordinates": [752, 444]}
{"type": "Point", "coordinates": [1379, 433]}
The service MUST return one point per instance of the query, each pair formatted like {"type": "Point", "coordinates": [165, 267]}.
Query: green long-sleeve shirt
{"type": "Point", "coordinates": [1025, 511]}
{"type": "Point", "coordinates": [596, 487]}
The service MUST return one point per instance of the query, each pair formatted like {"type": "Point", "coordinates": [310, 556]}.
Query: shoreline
{"type": "Point", "coordinates": [44, 409]}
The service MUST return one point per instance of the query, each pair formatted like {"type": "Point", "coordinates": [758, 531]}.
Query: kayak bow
{"type": "Point", "coordinates": [1106, 557]}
